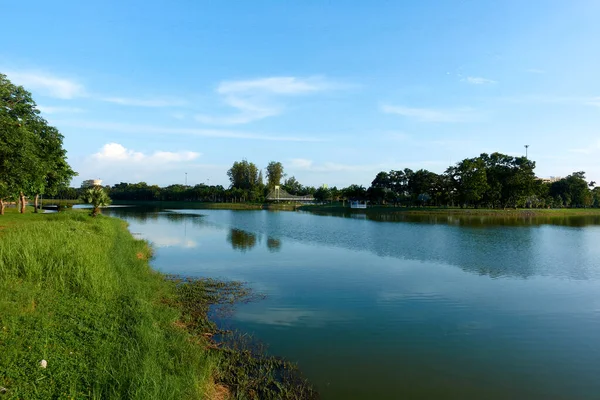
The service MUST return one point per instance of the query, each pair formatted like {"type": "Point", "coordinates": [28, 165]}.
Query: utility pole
{"type": "Point", "coordinates": [186, 179]}
{"type": "Point", "coordinates": [526, 147]}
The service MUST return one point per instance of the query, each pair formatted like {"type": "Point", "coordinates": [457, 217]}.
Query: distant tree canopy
{"type": "Point", "coordinates": [490, 180]}
{"type": "Point", "coordinates": [32, 159]}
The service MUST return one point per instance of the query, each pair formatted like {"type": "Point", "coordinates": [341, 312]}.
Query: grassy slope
{"type": "Point", "coordinates": [78, 292]}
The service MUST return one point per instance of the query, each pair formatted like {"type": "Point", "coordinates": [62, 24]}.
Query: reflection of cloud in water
{"type": "Point", "coordinates": [290, 317]}
{"type": "Point", "coordinates": [169, 241]}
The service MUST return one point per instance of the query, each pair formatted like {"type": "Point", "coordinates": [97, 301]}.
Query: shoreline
{"type": "Point", "coordinates": [376, 209]}
{"type": "Point", "coordinates": [512, 213]}
{"type": "Point", "coordinates": [81, 298]}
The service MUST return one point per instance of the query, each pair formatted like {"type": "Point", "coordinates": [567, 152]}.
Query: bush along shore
{"type": "Point", "coordinates": [82, 315]}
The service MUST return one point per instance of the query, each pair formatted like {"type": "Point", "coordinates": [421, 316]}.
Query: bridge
{"type": "Point", "coordinates": [279, 194]}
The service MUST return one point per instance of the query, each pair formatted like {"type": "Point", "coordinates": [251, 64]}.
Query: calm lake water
{"type": "Point", "coordinates": [428, 307]}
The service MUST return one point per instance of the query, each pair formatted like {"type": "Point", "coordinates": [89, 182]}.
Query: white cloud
{"type": "Point", "coordinates": [152, 129]}
{"type": "Point", "coordinates": [115, 152]}
{"type": "Point", "coordinates": [535, 71]}
{"type": "Point", "coordinates": [59, 110]}
{"type": "Point", "coordinates": [46, 84]}
{"type": "Point", "coordinates": [431, 114]}
{"type": "Point", "coordinates": [152, 102]}
{"type": "Point", "coordinates": [278, 85]}
{"type": "Point", "coordinates": [255, 99]}
{"type": "Point", "coordinates": [248, 112]}
{"type": "Point", "coordinates": [475, 80]}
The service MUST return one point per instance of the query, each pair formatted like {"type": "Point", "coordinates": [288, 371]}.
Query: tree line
{"type": "Point", "coordinates": [32, 158]}
{"type": "Point", "coordinates": [488, 181]}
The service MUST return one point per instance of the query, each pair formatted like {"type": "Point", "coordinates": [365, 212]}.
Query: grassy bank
{"type": "Point", "coordinates": [528, 212]}
{"type": "Point", "coordinates": [78, 293]}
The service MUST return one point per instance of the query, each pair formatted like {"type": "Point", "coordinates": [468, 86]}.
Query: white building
{"type": "Point", "coordinates": [91, 183]}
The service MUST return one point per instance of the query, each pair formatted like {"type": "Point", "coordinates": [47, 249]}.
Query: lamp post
{"type": "Point", "coordinates": [186, 179]}
{"type": "Point", "coordinates": [526, 147]}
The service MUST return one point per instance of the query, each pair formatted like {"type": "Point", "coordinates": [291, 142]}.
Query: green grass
{"type": "Point", "coordinates": [78, 292]}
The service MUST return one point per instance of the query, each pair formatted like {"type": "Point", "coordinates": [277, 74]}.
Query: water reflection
{"type": "Point", "coordinates": [471, 220]}
{"type": "Point", "coordinates": [241, 240]}
{"type": "Point", "coordinates": [389, 310]}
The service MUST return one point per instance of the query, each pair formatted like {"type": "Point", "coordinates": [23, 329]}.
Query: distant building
{"type": "Point", "coordinates": [358, 204]}
{"type": "Point", "coordinates": [552, 179]}
{"type": "Point", "coordinates": [91, 183]}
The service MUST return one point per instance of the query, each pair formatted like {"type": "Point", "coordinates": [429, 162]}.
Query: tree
{"type": "Point", "coordinates": [470, 179]}
{"type": "Point", "coordinates": [572, 190]}
{"type": "Point", "coordinates": [292, 186]}
{"type": "Point", "coordinates": [97, 197]}
{"type": "Point", "coordinates": [322, 194]}
{"type": "Point", "coordinates": [32, 159]}
{"type": "Point", "coordinates": [421, 186]}
{"type": "Point", "coordinates": [274, 174]}
{"type": "Point", "coordinates": [243, 175]}
{"type": "Point", "coordinates": [17, 144]}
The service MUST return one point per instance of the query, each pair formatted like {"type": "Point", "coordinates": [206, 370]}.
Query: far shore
{"type": "Point", "coordinates": [344, 208]}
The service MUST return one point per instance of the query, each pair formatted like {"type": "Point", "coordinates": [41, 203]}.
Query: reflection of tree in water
{"type": "Point", "coordinates": [273, 244]}
{"type": "Point", "coordinates": [241, 240]}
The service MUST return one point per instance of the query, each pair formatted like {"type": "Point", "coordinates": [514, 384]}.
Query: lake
{"type": "Point", "coordinates": [416, 307]}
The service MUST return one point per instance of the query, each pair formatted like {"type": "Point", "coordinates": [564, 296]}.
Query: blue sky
{"type": "Point", "coordinates": [335, 90]}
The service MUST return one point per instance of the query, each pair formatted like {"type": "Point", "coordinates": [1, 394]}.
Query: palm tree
{"type": "Point", "coordinates": [97, 197]}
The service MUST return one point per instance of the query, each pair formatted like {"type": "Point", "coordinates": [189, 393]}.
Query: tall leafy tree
{"type": "Point", "coordinates": [274, 174]}
{"type": "Point", "coordinates": [470, 180]}
{"type": "Point", "coordinates": [243, 175]}
{"type": "Point", "coordinates": [32, 159]}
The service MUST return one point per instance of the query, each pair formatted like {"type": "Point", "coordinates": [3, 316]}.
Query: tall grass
{"type": "Point", "coordinates": [78, 292]}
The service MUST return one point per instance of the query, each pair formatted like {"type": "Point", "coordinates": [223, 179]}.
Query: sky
{"type": "Point", "coordinates": [334, 90]}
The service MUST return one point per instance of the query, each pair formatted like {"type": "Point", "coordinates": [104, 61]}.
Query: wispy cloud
{"type": "Point", "coordinates": [308, 165]}
{"type": "Point", "coordinates": [277, 85]}
{"type": "Point", "coordinates": [47, 84]}
{"type": "Point", "coordinates": [59, 110]}
{"type": "Point", "coordinates": [152, 129]}
{"type": "Point", "coordinates": [554, 99]}
{"type": "Point", "coordinates": [146, 102]}
{"type": "Point", "coordinates": [257, 99]}
{"type": "Point", "coordinates": [431, 114]}
{"type": "Point", "coordinates": [476, 80]}
{"type": "Point", "coordinates": [594, 101]}
{"type": "Point", "coordinates": [593, 148]}
{"type": "Point", "coordinates": [535, 71]}
{"type": "Point", "coordinates": [115, 152]}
